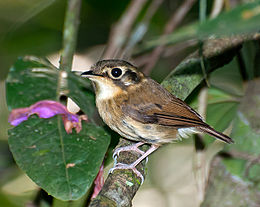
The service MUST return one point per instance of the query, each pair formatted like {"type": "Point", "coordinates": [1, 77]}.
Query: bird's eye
{"type": "Point", "coordinates": [116, 72]}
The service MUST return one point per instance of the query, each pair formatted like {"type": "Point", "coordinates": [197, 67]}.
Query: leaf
{"type": "Point", "coordinates": [216, 54]}
{"type": "Point", "coordinates": [30, 80]}
{"type": "Point", "coordinates": [224, 189]}
{"type": "Point", "coordinates": [220, 115]}
{"type": "Point", "coordinates": [228, 79]}
{"type": "Point", "coordinates": [250, 56]}
{"type": "Point", "coordinates": [12, 201]}
{"type": "Point", "coordinates": [77, 203]}
{"type": "Point", "coordinates": [19, 186]}
{"type": "Point", "coordinates": [188, 74]}
{"type": "Point", "coordinates": [246, 133]}
{"type": "Point", "coordinates": [63, 165]}
{"type": "Point", "coordinates": [33, 79]}
{"type": "Point", "coordinates": [243, 19]}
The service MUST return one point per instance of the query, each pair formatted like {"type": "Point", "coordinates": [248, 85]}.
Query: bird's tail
{"type": "Point", "coordinates": [212, 132]}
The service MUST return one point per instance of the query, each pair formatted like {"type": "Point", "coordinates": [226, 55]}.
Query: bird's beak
{"type": "Point", "coordinates": [89, 73]}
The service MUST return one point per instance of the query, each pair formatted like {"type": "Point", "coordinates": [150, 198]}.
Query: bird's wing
{"type": "Point", "coordinates": [174, 113]}
{"type": "Point", "coordinates": [158, 106]}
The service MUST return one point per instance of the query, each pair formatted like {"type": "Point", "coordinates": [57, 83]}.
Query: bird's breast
{"type": "Point", "coordinates": [112, 114]}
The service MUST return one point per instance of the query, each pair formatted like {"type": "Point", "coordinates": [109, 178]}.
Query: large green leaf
{"type": "Point", "coordinates": [228, 79]}
{"type": "Point", "coordinates": [33, 79]}
{"type": "Point", "coordinates": [64, 165]}
{"type": "Point", "coordinates": [189, 74]}
{"type": "Point", "coordinates": [30, 80]}
{"type": "Point", "coordinates": [243, 19]}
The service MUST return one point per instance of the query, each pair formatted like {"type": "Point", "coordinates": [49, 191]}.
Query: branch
{"type": "Point", "coordinates": [70, 32]}
{"type": "Point", "coordinates": [216, 52]}
{"type": "Point", "coordinates": [174, 21]}
{"type": "Point", "coordinates": [122, 28]}
{"type": "Point", "coordinates": [249, 158]}
{"type": "Point", "coordinates": [121, 185]}
{"type": "Point", "coordinates": [141, 28]}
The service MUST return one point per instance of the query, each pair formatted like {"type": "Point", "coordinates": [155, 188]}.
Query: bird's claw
{"type": "Point", "coordinates": [121, 166]}
{"type": "Point", "coordinates": [125, 149]}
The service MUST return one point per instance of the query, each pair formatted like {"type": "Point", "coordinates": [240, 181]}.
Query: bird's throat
{"type": "Point", "coordinates": [105, 91]}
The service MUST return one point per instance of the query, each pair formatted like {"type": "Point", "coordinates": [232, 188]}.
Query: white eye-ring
{"type": "Point", "coordinates": [116, 72]}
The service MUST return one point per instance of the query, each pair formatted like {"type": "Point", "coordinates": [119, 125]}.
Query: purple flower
{"type": "Point", "coordinates": [46, 109]}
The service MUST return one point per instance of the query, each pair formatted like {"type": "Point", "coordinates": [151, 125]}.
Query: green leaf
{"type": "Point", "coordinates": [249, 52]}
{"type": "Point", "coordinates": [29, 81]}
{"type": "Point", "coordinates": [246, 132]}
{"type": "Point", "coordinates": [6, 201]}
{"type": "Point", "coordinates": [228, 79]}
{"type": "Point", "coordinates": [188, 74]}
{"type": "Point", "coordinates": [243, 19]}
{"type": "Point", "coordinates": [32, 79]}
{"type": "Point", "coordinates": [77, 203]}
{"type": "Point", "coordinates": [246, 142]}
{"type": "Point", "coordinates": [64, 165]}
{"type": "Point", "coordinates": [220, 115]}
{"type": "Point", "coordinates": [224, 189]}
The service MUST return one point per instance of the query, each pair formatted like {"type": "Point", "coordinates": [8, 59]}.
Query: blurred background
{"type": "Point", "coordinates": [34, 27]}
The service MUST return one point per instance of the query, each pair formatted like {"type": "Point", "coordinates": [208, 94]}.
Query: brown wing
{"type": "Point", "coordinates": [181, 118]}
{"type": "Point", "coordinates": [158, 106]}
{"type": "Point", "coordinates": [173, 114]}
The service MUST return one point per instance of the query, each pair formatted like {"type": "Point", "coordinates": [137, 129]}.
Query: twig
{"type": "Point", "coordinates": [174, 21]}
{"type": "Point", "coordinates": [202, 17]}
{"type": "Point", "coordinates": [203, 98]}
{"type": "Point", "coordinates": [250, 163]}
{"type": "Point", "coordinates": [70, 32]}
{"type": "Point", "coordinates": [122, 28]}
{"type": "Point", "coordinates": [249, 158]}
{"type": "Point", "coordinates": [216, 9]}
{"type": "Point", "coordinates": [141, 28]}
{"type": "Point", "coordinates": [120, 187]}
{"type": "Point", "coordinates": [203, 10]}
{"type": "Point", "coordinates": [242, 155]}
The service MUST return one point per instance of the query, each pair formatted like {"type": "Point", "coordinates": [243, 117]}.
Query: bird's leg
{"type": "Point", "coordinates": [133, 165]}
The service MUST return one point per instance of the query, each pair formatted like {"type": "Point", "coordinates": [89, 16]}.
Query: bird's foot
{"type": "Point", "coordinates": [132, 166]}
{"type": "Point", "coordinates": [121, 166]}
{"type": "Point", "coordinates": [133, 147]}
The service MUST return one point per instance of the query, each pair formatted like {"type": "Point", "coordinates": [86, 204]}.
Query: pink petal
{"type": "Point", "coordinates": [46, 109]}
{"type": "Point", "coordinates": [99, 182]}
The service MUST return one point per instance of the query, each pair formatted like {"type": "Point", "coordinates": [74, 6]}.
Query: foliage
{"type": "Point", "coordinates": [65, 165]}
{"type": "Point", "coordinates": [41, 147]}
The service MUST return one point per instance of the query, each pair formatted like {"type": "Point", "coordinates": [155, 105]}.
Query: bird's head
{"type": "Point", "coordinates": [111, 77]}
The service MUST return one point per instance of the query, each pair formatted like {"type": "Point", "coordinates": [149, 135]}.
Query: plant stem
{"type": "Point", "coordinates": [122, 28]}
{"type": "Point", "coordinates": [203, 14]}
{"type": "Point", "coordinates": [70, 32]}
{"type": "Point", "coordinates": [203, 10]}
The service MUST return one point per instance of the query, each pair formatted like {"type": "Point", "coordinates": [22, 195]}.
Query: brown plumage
{"type": "Point", "coordinates": [140, 109]}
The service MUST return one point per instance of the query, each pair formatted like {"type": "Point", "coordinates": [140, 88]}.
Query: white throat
{"type": "Point", "coordinates": [105, 90]}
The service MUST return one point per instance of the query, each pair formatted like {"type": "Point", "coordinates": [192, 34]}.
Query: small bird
{"type": "Point", "coordinates": [140, 109]}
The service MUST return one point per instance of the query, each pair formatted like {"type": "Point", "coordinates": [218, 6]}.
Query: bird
{"type": "Point", "coordinates": [140, 109]}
